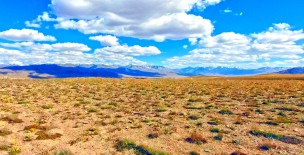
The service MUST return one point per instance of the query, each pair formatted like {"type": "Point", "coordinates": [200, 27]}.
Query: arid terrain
{"type": "Point", "coordinates": [185, 116]}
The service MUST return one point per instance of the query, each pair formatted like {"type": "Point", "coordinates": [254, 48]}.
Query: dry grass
{"type": "Point", "coordinates": [200, 115]}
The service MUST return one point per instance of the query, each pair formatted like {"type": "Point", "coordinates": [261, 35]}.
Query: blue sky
{"type": "Point", "coordinates": [172, 33]}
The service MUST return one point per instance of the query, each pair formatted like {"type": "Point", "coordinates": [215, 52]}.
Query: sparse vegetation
{"type": "Point", "coordinates": [140, 150]}
{"type": "Point", "coordinates": [225, 111]}
{"type": "Point", "coordinates": [196, 138]}
{"type": "Point", "coordinates": [285, 139]}
{"type": "Point", "coordinates": [5, 132]}
{"type": "Point", "coordinates": [194, 115]}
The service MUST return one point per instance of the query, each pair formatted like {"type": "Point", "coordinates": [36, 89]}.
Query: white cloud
{"type": "Point", "coordinates": [24, 53]}
{"type": "Point", "coordinates": [204, 3]}
{"type": "Point", "coordinates": [129, 50]}
{"type": "Point", "coordinates": [72, 53]}
{"type": "Point", "coordinates": [227, 43]}
{"type": "Point", "coordinates": [281, 26]}
{"type": "Point", "coordinates": [57, 47]}
{"type": "Point", "coordinates": [8, 56]}
{"type": "Point", "coordinates": [193, 41]}
{"type": "Point", "coordinates": [278, 41]}
{"type": "Point", "coordinates": [70, 47]}
{"type": "Point", "coordinates": [154, 19]}
{"type": "Point", "coordinates": [36, 23]}
{"type": "Point", "coordinates": [25, 35]}
{"type": "Point", "coordinates": [175, 27]}
{"type": "Point", "coordinates": [201, 58]}
{"type": "Point", "coordinates": [232, 49]}
{"type": "Point", "coordinates": [6, 52]}
{"type": "Point", "coordinates": [280, 33]}
{"type": "Point", "coordinates": [227, 11]}
{"type": "Point", "coordinates": [30, 24]}
{"type": "Point", "coordinates": [45, 17]}
{"type": "Point", "coordinates": [107, 40]}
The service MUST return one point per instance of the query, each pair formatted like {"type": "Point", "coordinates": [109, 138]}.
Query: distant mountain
{"type": "Point", "coordinates": [224, 71]}
{"type": "Point", "coordinates": [166, 72]}
{"type": "Point", "coordinates": [143, 71]}
{"type": "Point", "coordinates": [296, 70]}
{"type": "Point", "coordinates": [70, 71]}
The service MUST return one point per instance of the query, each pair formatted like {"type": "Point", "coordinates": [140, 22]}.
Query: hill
{"type": "Point", "coordinates": [296, 70]}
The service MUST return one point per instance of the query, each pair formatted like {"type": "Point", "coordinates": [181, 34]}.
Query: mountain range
{"type": "Point", "coordinates": [145, 71]}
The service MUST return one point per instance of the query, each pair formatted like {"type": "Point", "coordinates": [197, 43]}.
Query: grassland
{"type": "Point", "coordinates": [201, 115]}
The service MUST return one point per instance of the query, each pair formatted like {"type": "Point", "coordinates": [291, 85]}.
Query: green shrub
{"type": "Point", "coordinates": [282, 138]}
{"type": "Point", "coordinates": [225, 112]}
{"type": "Point", "coordinates": [126, 144]}
{"type": "Point", "coordinates": [215, 130]}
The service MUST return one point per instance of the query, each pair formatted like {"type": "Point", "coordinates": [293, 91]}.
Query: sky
{"type": "Point", "coordinates": [171, 33]}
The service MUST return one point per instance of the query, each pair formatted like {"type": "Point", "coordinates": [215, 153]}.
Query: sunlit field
{"type": "Point", "coordinates": [191, 116]}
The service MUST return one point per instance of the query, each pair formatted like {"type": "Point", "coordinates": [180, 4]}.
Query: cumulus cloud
{"type": "Point", "coordinates": [227, 43]}
{"type": "Point", "coordinates": [193, 41]}
{"type": "Point", "coordinates": [204, 3]}
{"type": "Point", "coordinates": [129, 50]}
{"type": "Point", "coordinates": [174, 26]}
{"type": "Point", "coordinates": [154, 19]}
{"type": "Point", "coordinates": [45, 17]}
{"type": "Point", "coordinates": [279, 33]}
{"type": "Point", "coordinates": [32, 24]}
{"type": "Point", "coordinates": [22, 53]}
{"type": "Point", "coordinates": [6, 52]}
{"type": "Point", "coordinates": [278, 41]}
{"type": "Point", "coordinates": [25, 35]}
{"type": "Point", "coordinates": [70, 47]}
{"type": "Point", "coordinates": [107, 40]}
{"type": "Point", "coordinates": [58, 47]}
{"type": "Point", "coordinates": [258, 49]}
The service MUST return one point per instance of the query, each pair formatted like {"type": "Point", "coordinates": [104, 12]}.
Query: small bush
{"type": "Point", "coordinates": [63, 152]}
{"type": "Point", "coordinates": [284, 120]}
{"type": "Point", "coordinates": [225, 112]}
{"type": "Point", "coordinates": [126, 144]}
{"type": "Point", "coordinates": [271, 123]}
{"type": "Point", "coordinates": [259, 111]}
{"type": "Point", "coordinates": [44, 135]}
{"type": "Point", "coordinates": [47, 106]}
{"type": "Point", "coordinates": [92, 110]}
{"type": "Point", "coordinates": [153, 135]}
{"type": "Point", "coordinates": [193, 153]}
{"type": "Point", "coordinates": [14, 150]}
{"type": "Point", "coordinates": [5, 132]}
{"type": "Point", "coordinates": [266, 147]}
{"type": "Point", "coordinates": [91, 131]}
{"type": "Point", "coordinates": [196, 138]}
{"type": "Point", "coordinates": [12, 119]}
{"type": "Point", "coordinates": [214, 122]}
{"type": "Point", "coordinates": [285, 139]}
{"type": "Point", "coordinates": [219, 137]}
{"type": "Point", "coordinates": [193, 117]}
{"type": "Point", "coordinates": [215, 130]}
{"type": "Point", "coordinates": [34, 126]}
{"type": "Point", "coordinates": [238, 153]}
